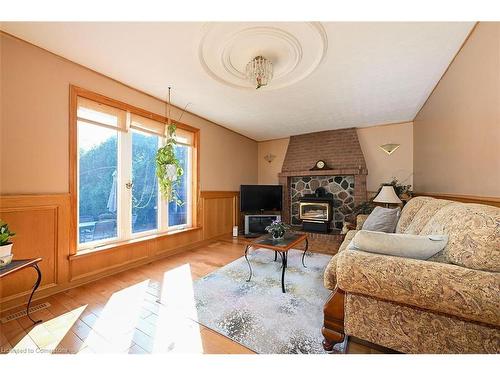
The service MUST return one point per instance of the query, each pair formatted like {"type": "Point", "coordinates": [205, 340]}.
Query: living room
{"type": "Point", "coordinates": [253, 187]}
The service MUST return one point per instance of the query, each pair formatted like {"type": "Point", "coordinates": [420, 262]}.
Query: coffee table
{"type": "Point", "coordinates": [280, 247]}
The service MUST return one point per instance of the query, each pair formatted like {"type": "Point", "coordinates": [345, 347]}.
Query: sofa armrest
{"type": "Point", "coordinates": [330, 275]}
{"type": "Point", "coordinates": [440, 287]}
{"type": "Point", "coordinates": [360, 220]}
{"type": "Point", "coordinates": [330, 278]}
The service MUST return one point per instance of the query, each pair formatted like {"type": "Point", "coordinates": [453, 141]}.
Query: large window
{"type": "Point", "coordinates": [118, 195]}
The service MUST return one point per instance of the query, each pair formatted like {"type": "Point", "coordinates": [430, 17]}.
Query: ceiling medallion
{"type": "Point", "coordinates": [259, 71]}
{"type": "Point", "coordinates": [239, 54]}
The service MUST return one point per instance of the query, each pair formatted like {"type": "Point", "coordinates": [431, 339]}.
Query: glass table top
{"type": "Point", "coordinates": [14, 265]}
{"type": "Point", "coordinates": [268, 240]}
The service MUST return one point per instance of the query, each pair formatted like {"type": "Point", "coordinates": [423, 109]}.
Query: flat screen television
{"type": "Point", "coordinates": [257, 198]}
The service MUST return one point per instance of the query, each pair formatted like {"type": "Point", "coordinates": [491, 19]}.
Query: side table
{"type": "Point", "coordinates": [18, 265]}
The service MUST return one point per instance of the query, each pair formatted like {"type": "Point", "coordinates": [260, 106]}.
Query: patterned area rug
{"type": "Point", "coordinates": [257, 314]}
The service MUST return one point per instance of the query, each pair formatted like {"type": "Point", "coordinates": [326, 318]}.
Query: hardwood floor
{"type": "Point", "coordinates": [84, 319]}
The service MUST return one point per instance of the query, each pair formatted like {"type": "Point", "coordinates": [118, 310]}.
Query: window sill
{"type": "Point", "coordinates": [115, 245]}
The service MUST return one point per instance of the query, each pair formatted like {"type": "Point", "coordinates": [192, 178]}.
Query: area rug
{"type": "Point", "coordinates": [257, 314]}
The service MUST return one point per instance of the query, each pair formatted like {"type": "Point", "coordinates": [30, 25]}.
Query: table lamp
{"type": "Point", "coordinates": [387, 195]}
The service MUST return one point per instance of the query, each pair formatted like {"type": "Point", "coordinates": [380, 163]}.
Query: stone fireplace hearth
{"type": "Point", "coordinates": [345, 176]}
{"type": "Point", "coordinates": [342, 188]}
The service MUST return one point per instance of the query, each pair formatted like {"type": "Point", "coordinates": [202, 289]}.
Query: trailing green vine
{"type": "Point", "coordinates": [168, 168]}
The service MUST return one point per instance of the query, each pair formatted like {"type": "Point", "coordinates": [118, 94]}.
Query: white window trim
{"type": "Point", "coordinates": [124, 195]}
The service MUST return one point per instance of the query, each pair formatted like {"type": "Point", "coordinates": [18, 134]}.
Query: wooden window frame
{"type": "Point", "coordinates": [74, 93]}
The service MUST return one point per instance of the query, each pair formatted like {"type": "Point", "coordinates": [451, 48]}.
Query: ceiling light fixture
{"type": "Point", "coordinates": [259, 71]}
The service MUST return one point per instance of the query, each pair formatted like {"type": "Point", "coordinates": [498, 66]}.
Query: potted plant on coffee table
{"type": "Point", "coordinates": [277, 229]}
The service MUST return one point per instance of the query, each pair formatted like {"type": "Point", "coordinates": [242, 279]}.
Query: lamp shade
{"type": "Point", "coordinates": [387, 195]}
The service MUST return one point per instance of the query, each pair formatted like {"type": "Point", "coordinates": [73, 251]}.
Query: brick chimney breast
{"type": "Point", "coordinates": [341, 151]}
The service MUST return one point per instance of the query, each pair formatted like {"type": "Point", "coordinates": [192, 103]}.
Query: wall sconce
{"type": "Point", "coordinates": [389, 148]}
{"type": "Point", "coordinates": [269, 157]}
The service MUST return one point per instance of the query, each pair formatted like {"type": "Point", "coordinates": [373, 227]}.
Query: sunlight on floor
{"type": "Point", "coordinates": [175, 332]}
{"type": "Point", "coordinates": [48, 335]}
{"type": "Point", "coordinates": [177, 290]}
{"type": "Point", "coordinates": [118, 319]}
{"type": "Point", "coordinates": [132, 320]}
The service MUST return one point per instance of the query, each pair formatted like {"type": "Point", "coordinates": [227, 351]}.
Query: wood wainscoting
{"type": "Point", "coordinates": [221, 212]}
{"type": "Point", "coordinates": [42, 225]}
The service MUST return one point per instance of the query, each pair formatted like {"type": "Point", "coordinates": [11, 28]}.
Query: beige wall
{"type": "Point", "coordinates": [381, 167]}
{"type": "Point", "coordinates": [457, 132]}
{"type": "Point", "coordinates": [268, 172]}
{"type": "Point", "coordinates": [34, 124]}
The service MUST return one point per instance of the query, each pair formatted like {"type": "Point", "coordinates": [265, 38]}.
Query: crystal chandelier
{"type": "Point", "coordinates": [259, 71]}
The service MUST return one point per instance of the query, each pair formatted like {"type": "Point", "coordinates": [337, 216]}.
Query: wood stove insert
{"type": "Point", "coordinates": [316, 211]}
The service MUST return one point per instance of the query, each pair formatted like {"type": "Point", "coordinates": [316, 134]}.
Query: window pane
{"type": "Point", "coordinates": [178, 215]}
{"type": "Point", "coordinates": [97, 170]}
{"type": "Point", "coordinates": [145, 187]}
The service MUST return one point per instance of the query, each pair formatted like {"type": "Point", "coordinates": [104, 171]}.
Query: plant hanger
{"type": "Point", "coordinates": [168, 167]}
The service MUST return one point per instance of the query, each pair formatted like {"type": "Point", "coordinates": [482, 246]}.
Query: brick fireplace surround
{"type": "Point", "coordinates": [341, 151]}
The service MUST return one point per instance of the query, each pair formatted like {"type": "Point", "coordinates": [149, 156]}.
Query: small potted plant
{"type": "Point", "coordinates": [5, 244]}
{"type": "Point", "coordinates": [277, 229]}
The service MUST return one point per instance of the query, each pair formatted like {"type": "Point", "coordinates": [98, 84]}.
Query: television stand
{"type": "Point", "coordinates": [255, 225]}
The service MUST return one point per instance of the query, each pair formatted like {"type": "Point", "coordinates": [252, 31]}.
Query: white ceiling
{"type": "Point", "coordinates": [328, 76]}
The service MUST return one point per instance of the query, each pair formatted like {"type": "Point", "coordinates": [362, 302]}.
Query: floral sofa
{"type": "Point", "coordinates": [447, 304]}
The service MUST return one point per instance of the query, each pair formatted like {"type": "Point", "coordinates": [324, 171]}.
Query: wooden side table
{"type": "Point", "coordinates": [18, 265]}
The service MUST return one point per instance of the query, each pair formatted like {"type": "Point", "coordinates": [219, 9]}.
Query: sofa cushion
{"type": "Point", "coordinates": [382, 220]}
{"type": "Point", "coordinates": [474, 234]}
{"type": "Point", "coordinates": [424, 214]}
{"type": "Point", "coordinates": [400, 245]}
{"type": "Point", "coordinates": [409, 211]}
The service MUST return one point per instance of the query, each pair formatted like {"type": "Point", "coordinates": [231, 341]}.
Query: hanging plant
{"type": "Point", "coordinates": [168, 168]}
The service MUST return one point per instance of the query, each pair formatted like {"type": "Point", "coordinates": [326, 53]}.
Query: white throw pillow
{"type": "Point", "coordinates": [400, 245]}
{"type": "Point", "coordinates": [382, 220]}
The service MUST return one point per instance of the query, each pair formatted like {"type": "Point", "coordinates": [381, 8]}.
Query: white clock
{"type": "Point", "coordinates": [320, 164]}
